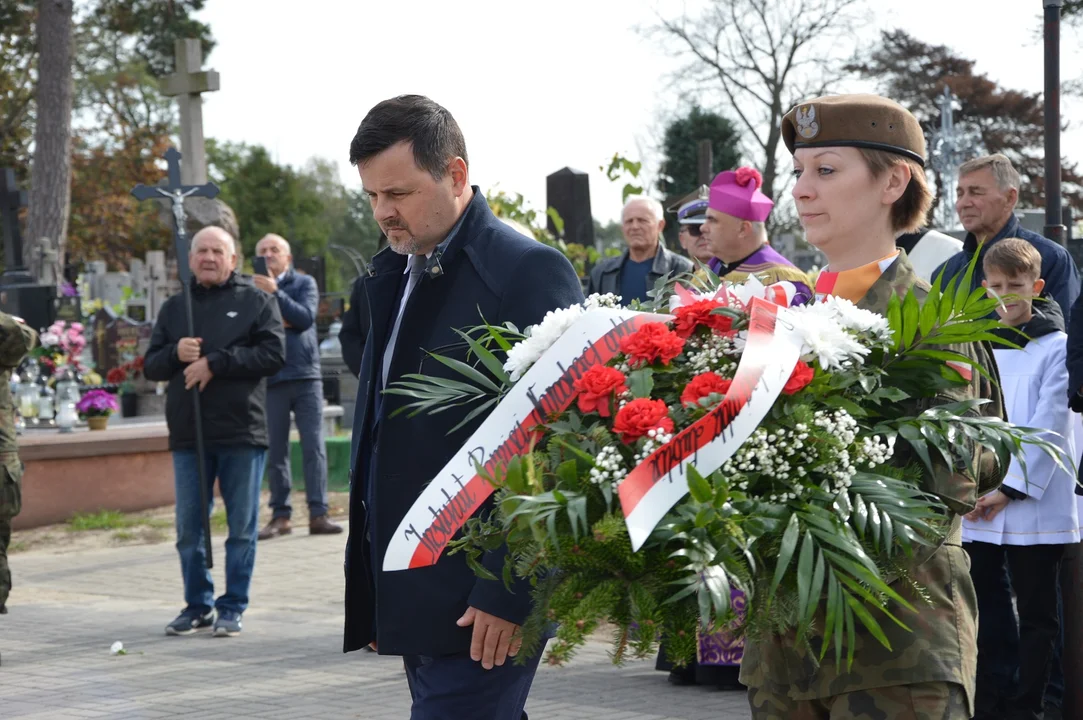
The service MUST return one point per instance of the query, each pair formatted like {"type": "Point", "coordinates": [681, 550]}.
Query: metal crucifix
{"type": "Point", "coordinates": [175, 192]}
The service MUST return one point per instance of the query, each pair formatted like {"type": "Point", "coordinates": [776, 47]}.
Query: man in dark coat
{"type": "Point", "coordinates": [449, 264]}
{"type": "Point", "coordinates": [355, 327]}
{"type": "Point", "coordinates": [985, 200]}
{"type": "Point", "coordinates": [298, 389]}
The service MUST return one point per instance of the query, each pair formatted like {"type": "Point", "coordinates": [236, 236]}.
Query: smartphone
{"type": "Point", "coordinates": [259, 265]}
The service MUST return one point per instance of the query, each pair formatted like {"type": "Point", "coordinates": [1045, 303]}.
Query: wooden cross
{"type": "Point", "coordinates": [175, 192]}
{"type": "Point", "coordinates": [186, 84]}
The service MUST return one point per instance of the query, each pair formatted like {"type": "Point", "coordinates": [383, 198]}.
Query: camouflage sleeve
{"type": "Point", "coordinates": [957, 487]}
{"type": "Point", "coordinates": [16, 339]}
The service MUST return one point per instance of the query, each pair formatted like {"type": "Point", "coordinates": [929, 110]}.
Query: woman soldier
{"type": "Point", "coordinates": [860, 181]}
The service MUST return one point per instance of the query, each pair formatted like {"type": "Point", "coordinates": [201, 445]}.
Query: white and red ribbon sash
{"type": "Point", "coordinates": [510, 429]}
{"type": "Point", "coordinates": [659, 482]}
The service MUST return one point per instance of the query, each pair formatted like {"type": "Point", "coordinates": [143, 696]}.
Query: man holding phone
{"type": "Point", "coordinates": [298, 387]}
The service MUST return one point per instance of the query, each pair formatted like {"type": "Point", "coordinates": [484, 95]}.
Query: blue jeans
{"type": "Point", "coordinates": [239, 470]}
{"type": "Point", "coordinates": [457, 688]}
{"type": "Point", "coordinates": [305, 399]}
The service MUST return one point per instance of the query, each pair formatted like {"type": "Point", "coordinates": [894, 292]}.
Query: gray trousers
{"type": "Point", "coordinates": [305, 399]}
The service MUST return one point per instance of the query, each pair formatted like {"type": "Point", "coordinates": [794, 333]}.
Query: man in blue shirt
{"type": "Point", "coordinates": [985, 200]}
{"type": "Point", "coordinates": [644, 261]}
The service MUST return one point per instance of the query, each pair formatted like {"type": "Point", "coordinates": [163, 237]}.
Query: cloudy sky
{"type": "Point", "coordinates": [536, 85]}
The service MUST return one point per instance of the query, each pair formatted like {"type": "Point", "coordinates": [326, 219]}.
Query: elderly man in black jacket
{"type": "Point", "coordinates": [449, 263]}
{"type": "Point", "coordinates": [645, 259]}
{"type": "Point", "coordinates": [238, 343]}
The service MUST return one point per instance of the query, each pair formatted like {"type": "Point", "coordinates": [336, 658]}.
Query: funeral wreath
{"type": "Point", "coordinates": [732, 444]}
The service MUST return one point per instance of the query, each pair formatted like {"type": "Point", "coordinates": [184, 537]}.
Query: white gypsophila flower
{"type": "Point", "coordinates": [540, 338]}
{"type": "Point", "coordinates": [608, 467]}
{"type": "Point", "coordinates": [712, 352]}
{"type": "Point", "coordinates": [828, 342]}
{"type": "Point", "coordinates": [655, 439]}
{"type": "Point", "coordinates": [598, 300]}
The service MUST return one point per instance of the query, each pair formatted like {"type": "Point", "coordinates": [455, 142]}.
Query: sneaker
{"type": "Point", "coordinates": [228, 624]}
{"type": "Point", "coordinates": [190, 621]}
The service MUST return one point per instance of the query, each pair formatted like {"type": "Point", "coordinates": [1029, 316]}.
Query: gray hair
{"type": "Point", "coordinates": [654, 205]}
{"type": "Point", "coordinates": [1006, 175]}
{"type": "Point", "coordinates": [278, 239]}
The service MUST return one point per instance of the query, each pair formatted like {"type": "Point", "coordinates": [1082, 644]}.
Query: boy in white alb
{"type": "Point", "coordinates": [1032, 517]}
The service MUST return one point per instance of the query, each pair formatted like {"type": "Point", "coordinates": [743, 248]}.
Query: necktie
{"type": "Point", "coordinates": [417, 266]}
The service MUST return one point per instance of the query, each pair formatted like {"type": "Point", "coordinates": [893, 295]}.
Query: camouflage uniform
{"type": "Point", "coordinates": [930, 671]}
{"type": "Point", "coordinates": [15, 340]}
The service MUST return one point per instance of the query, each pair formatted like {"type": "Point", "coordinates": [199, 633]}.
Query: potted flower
{"type": "Point", "coordinates": [96, 406]}
{"type": "Point", "coordinates": [125, 377]}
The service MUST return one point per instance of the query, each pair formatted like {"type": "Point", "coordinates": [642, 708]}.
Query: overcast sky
{"type": "Point", "coordinates": [536, 85]}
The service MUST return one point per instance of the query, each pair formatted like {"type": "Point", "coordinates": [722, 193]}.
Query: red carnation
{"type": "Point", "coordinates": [597, 386]}
{"type": "Point", "coordinates": [116, 376]}
{"type": "Point", "coordinates": [654, 341]}
{"type": "Point", "coordinates": [745, 175]}
{"type": "Point", "coordinates": [703, 385]}
{"type": "Point", "coordinates": [799, 378]}
{"type": "Point", "coordinates": [689, 317]}
{"type": "Point", "coordinates": [639, 417]}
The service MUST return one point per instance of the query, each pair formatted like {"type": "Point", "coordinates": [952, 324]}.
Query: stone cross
{"type": "Point", "coordinates": [186, 83]}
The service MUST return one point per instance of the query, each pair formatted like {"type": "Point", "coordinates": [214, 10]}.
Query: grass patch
{"type": "Point", "coordinates": [113, 520]}
{"type": "Point", "coordinates": [101, 520]}
{"type": "Point", "coordinates": [124, 535]}
{"type": "Point", "coordinates": [16, 547]}
{"type": "Point", "coordinates": [218, 521]}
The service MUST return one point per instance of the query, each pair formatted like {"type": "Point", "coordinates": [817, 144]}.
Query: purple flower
{"type": "Point", "coordinates": [96, 403]}
{"type": "Point", "coordinates": [68, 290]}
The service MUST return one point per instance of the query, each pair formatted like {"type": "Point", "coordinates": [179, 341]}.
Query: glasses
{"type": "Point", "coordinates": [693, 230]}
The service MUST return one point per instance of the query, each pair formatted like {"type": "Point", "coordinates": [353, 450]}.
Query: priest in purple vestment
{"type": "Point", "coordinates": [734, 226]}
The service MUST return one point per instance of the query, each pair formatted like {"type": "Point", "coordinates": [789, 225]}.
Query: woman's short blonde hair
{"type": "Point", "coordinates": [910, 211]}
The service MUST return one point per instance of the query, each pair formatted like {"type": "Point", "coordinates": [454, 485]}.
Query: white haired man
{"type": "Point", "coordinates": [645, 259]}
{"type": "Point", "coordinates": [240, 344]}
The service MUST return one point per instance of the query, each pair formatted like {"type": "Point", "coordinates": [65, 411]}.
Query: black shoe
{"type": "Point", "coordinates": [189, 622]}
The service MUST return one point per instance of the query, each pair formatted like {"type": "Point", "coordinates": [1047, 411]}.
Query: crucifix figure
{"type": "Point", "coordinates": [186, 84]}
{"type": "Point", "coordinates": [175, 192]}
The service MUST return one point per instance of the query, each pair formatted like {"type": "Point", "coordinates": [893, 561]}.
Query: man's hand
{"type": "Point", "coordinates": [494, 640]}
{"type": "Point", "coordinates": [265, 283]}
{"type": "Point", "coordinates": [198, 373]}
{"type": "Point", "coordinates": [188, 349]}
{"type": "Point", "coordinates": [989, 506]}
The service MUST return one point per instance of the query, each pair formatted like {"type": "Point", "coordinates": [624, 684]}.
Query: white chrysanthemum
{"type": "Point", "coordinates": [48, 338]}
{"type": "Point", "coordinates": [540, 338]}
{"type": "Point", "coordinates": [828, 342]}
{"type": "Point", "coordinates": [859, 320]}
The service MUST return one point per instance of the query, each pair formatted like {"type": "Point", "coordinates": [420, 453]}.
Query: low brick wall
{"type": "Point", "coordinates": [126, 468]}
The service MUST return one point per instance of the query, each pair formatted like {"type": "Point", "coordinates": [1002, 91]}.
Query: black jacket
{"type": "Point", "coordinates": [355, 327]}
{"type": "Point", "coordinates": [243, 342]}
{"type": "Point", "coordinates": [486, 270]}
{"type": "Point", "coordinates": [605, 276]}
{"type": "Point", "coordinates": [298, 301]}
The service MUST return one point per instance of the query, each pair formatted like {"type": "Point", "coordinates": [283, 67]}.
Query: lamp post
{"type": "Point", "coordinates": [1054, 229]}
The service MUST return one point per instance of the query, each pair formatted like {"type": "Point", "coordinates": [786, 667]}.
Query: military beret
{"type": "Point", "coordinates": [863, 121]}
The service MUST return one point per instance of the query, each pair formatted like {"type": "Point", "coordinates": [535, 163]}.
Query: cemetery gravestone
{"type": "Point", "coordinates": [568, 192]}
